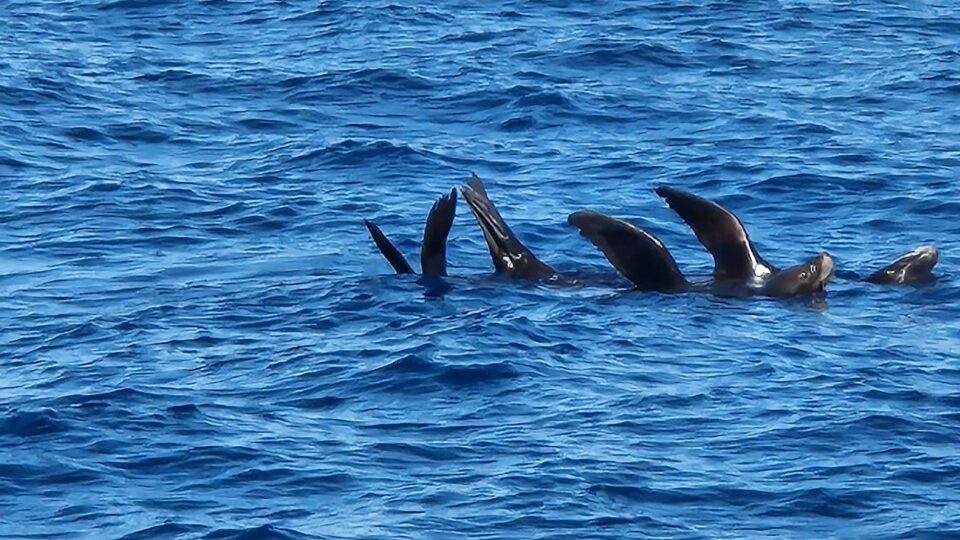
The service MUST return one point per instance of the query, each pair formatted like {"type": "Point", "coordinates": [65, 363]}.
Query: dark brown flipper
{"type": "Point", "coordinates": [722, 233]}
{"type": "Point", "coordinates": [389, 251]}
{"type": "Point", "coordinates": [433, 251]}
{"type": "Point", "coordinates": [637, 254]}
{"type": "Point", "coordinates": [509, 255]}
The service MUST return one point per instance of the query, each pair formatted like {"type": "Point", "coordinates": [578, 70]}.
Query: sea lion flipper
{"type": "Point", "coordinates": [433, 252]}
{"type": "Point", "coordinates": [637, 254]}
{"type": "Point", "coordinates": [509, 255]}
{"type": "Point", "coordinates": [914, 267]}
{"type": "Point", "coordinates": [389, 251]}
{"type": "Point", "coordinates": [721, 232]}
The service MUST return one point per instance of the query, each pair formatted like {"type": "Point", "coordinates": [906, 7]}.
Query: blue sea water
{"type": "Point", "coordinates": [201, 341]}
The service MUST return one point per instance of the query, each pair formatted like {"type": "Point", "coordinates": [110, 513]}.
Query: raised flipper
{"type": "Point", "coordinates": [914, 267]}
{"type": "Point", "coordinates": [637, 254]}
{"type": "Point", "coordinates": [433, 251]}
{"type": "Point", "coordinates": [722, 233]}
{"type": "Point", "coordinates": [509, 255]}
{"type": "Point", "coordinates": [389, 251]}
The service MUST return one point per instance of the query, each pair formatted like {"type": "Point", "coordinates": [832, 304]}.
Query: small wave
{"type": "Point", "coordinates": [263, 532]}
{"type": "Point", "coordinates": [323, 12]}
{"type": "Point", "coordinates": [544, 98]}
{"type": "Point", "coordinates": [164, 530]}
{"type": "Point", "coordinates": [813, 128]}
{"type": "Point", "coordinates": [349, 153]}
{"type": "Point", "coordinates": [478, 37]}
{"type": "Point", "coordinates": [179, 462]}
{"type": "Point", "coordinates": [164, 238]}
{"type": "Point", "coordinates": [519, 123]}
{"type": "Point", "coordinates": [86, 331]}
{"type": "Point", "coordinates": [187, 409]}
{"type": "Point", "coordinates": [320, 403]}
{"type": "Point", "coordinates": [289, 476]}
{"type": "Point", "coordinates": [606, 53]}
{"type": "Point", "coordinates": [931, 533]}
{"type": "Point", "coordinates": [420, 451]}
{"type": "Point", "coordinates": [135, 4]}
{"type": "Point", "coordinates": [407, 364]}
{"type": "Point", "coordinates": [202, 341]}
{"type": "Point", "coordinates": [475, 101]}
{"type": "Point", "coordinates": [646, 495]}
{"type": "Point", "coordinates": [257, 222]}
{"type": "Point", "coordinates": [98, 400]}
{"type": "Point", "coordinates": [907, 396]}
{"type": "Point", "coordinates": [477, 374]}
{"type": "Point", "coordinates": [46, 475]}
{"type": "Point", "coordinates": [346, 83]}
{"type": "Point", "coordinates": [834, 503]}
{"type": "Point", "coordinates": [933, 475]}
{"type": "Point", "coordinates": [886, 423]}
{"type": "Point", "coordinates": [85, 134]}
{"type": "Point", "coordinates": [33, 423]}
{"type": "Point", "coordinates": [220, 211]}
{"type": "Point", "coordinates": [266, 124]}
{"type": "Point", "coordinates": [174, 75]}
{"type": "Point", "coordinates": [137, 132]}
{"type": "Point", "coordinates": [945, 208]}
{"type": "Point", "coordinates": [791, 183]}
{"type": "Point", "coordinates": [6, 161]}
{"type": "Point", "coordinates": [414, 373]}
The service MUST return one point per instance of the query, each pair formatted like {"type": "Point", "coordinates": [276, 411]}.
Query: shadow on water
{"type": "Point", "coordinates": [435, 288]}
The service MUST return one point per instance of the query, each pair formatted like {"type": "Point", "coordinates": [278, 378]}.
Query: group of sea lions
{"type": "Point", "coordinates": [641, 257]}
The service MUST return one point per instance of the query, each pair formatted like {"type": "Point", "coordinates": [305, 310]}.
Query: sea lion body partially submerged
{"type": "Point", "coordinates": [739, 269]}
{"type": "Point", "coordinates": [642, 258]}
{"type": "Point", "coordinates": [914, 267]}
{"type": "Point", "coordinates": [715, 226]}
{"type": "Point", "coordinates": [645, 261]}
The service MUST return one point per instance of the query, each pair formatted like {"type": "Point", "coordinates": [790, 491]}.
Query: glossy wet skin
{"type": "Point", "coordinates": [803, 279]}
{"type": "Point", "coordinates": [913, 267]}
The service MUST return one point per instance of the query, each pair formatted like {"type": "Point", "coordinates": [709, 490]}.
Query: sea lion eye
{"type": "Point", "coordinates": [803, 275]}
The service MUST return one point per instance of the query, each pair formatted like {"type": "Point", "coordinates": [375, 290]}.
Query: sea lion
{"type": "Point", "coordinates": [433, 249]}
{"type": "Point", "coordinates": [914, 267]}
{"type": "Point", "coordinates": [735, 257]}
{"type": "Point", "coordinates": [638, 255]}
{"type": "Point", "coordinates": [644, 260]}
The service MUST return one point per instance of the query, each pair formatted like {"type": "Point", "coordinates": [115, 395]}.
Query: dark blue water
{"type": "Point", "coordinates": [199, 340]}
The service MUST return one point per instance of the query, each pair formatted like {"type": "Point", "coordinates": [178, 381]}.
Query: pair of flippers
{"type": "Point", "coordinates": [509, 255]}
{"type": "Point", "coordinates": [433, 249]}
{"type": "Point", "coordinates": [640, 256]}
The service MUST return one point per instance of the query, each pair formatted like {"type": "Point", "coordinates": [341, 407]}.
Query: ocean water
{"type": "Point", "coordinates": [199, 339]}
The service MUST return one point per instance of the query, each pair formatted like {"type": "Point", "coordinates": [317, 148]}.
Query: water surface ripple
{"type": "Point", "coordinates": [200, 340]}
